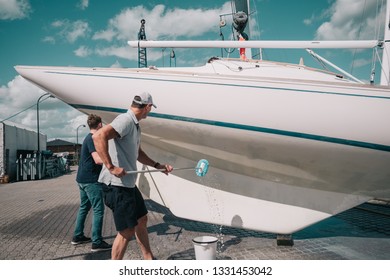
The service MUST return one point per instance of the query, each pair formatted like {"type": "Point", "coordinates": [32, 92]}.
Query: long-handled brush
{"type": "Point", "coordinates": [201, 169]}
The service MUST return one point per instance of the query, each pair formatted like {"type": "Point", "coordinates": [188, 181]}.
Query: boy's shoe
{"type": "Point", "coordinates": [103, 246]}
{"type": "Point", "coordinates": [80, 240]}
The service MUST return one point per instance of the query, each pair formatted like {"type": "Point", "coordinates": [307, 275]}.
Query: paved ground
{"type": "Point", "coordinates": [37, 220]}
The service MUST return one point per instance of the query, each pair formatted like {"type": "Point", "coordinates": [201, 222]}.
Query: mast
{"type": "Point", "coordinates": [242, 10]}
{"type": "Point", "coordinates": [142, 60]}
{"type": "Point", "coordinates": [385, 74]}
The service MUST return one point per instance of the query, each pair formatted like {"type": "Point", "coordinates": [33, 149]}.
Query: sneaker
{"type": "Point", "coordinates": [103, 246]}
{"type": "Point", "coordinates": [80, 240]}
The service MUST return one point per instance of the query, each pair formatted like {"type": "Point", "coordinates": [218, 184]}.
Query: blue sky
{"type": "Point", "coordinates": [95, 33]}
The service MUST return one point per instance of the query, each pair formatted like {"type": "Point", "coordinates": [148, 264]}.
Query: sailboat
{"type": "Point", "coordinates": [288, 145]}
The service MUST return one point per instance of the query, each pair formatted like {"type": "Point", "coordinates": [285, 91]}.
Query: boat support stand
{"type": "Point", "coordinates": [284, 240]}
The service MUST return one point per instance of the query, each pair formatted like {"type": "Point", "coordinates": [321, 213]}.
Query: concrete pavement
{"type": "Point", "coordinates": [37, 221]}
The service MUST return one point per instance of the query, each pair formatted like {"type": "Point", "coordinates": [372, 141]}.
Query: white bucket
{"type": "Point", "coordinates": [205, 247]}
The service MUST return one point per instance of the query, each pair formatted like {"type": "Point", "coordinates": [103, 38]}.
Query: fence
{"type": "Point", "coordinates": [36, 166]}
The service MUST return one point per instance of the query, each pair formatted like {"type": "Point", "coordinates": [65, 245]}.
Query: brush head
{"type": "Point", "coordinates": [202, 167]}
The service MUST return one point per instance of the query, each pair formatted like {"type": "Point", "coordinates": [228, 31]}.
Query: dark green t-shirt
{"type": "Point", "coordinates": [88, 171]}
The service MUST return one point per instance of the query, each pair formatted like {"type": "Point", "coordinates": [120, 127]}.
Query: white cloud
{"type": "Point", "coordinates": [309, 21]}
{"type": "Point", "coordinates": [58, 23]}
{"type": "Point", "coordinates": [83, 4]}
{"type": "Point", "coordinates": [77, 29]}
{"type": "Point", "coordinates": [83, 51]}
{"type": "Point", "coordinates": [14, 9]}
{"type": "Point", "coordinates": [350, 20]}
{"type": "Point", "coordinates": [107, 35]}
{"type": "Point", "coordinates": [361, 62]}
{"type": "Point", "coordinates": [56, 119]}
{"type": "Point", "coordinates": [13, 96]}
{"type": "Point", "coordinates": [116, 65]}
{"type": "Point", "coordinates": [49, 39]}
{"type": "Point", "coordinates": [121, 52]}
{"type": "Point", "coordinates": [71, 31]}
{"type": "Point", "coordinates": [61, 122]}
{"type": "Point", "coordinates": [162, 22]}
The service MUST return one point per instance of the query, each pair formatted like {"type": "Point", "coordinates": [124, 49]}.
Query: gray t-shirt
{"type": "Point", "coordinates": [123, 150]}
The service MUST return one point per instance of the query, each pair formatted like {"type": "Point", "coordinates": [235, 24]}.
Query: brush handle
{"type": "Point", "coordinates": [159, 170]}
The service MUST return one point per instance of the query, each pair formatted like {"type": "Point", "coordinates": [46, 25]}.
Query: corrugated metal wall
{"type": "Point", "coordinates": [12, 139]}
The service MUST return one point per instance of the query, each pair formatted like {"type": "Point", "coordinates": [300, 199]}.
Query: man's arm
{"type": "Point", "coordinates": [145, 159]}
{"type": "Point", "coordinates": [100, 139]}
{"type": "Point", "coordinates": [96, 158]}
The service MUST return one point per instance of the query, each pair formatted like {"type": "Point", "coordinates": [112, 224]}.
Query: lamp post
{"type": "Point", "coordinates": [39, 99]}
{"type": "Point", "coordinates": [77, 142]}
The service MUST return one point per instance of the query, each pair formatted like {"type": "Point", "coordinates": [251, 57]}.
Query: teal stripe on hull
{"type": "Point", "coordinates": [249, 128]}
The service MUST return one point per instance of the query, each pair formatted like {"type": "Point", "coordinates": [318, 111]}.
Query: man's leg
{"type": "Point", "coordinates": [120, 243]}
{"type": "Point", "coordinates": [95, 195]}
{"type": "Point", "coordinates": [141, 233]}
{"type": "Point", "coordinates": [85, 206]}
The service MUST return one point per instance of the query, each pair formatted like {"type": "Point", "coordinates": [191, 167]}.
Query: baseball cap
{"type": "Point", "coordinates": [145, 98]}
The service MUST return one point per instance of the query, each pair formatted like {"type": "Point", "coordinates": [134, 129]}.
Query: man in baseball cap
{"type": "Point", "coordinates": [144, 99]}
{"type": "Point", "coordinates": [119, 147]}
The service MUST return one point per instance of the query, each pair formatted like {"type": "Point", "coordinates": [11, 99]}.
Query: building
{"type": "Point", "coordinates": [61, 146]}
{"type": "Point", "coordinates": [16, 142]}
{"type": "Point", "coordinates": [71, 150]}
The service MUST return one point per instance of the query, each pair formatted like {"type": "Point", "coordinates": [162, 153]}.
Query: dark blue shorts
{"type": "Point", "coordinates": [127, 205]}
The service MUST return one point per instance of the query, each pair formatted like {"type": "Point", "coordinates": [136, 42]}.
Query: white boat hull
{"type": "Point", "coordinates": [283, 153]}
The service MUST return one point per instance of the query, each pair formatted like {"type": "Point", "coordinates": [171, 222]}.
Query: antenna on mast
{"type": "Point", "coordinates": [142, 60]}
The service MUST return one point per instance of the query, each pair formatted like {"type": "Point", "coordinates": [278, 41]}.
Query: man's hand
{"type": "Point", "coordinates": [168, 168]}
{"type": "Point", "coordinates": [117, 171]}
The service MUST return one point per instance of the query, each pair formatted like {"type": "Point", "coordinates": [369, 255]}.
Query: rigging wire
{"type": "Point", "coordinates": [375, 54]}
{"type": "Point", "coordinates": [233, 8]}
{"type": "Point", "coordinates": [378, 26]}
{"type": "Point", "coordinates": [256, 29]}
{"type": "Point", "coordinates": [378, 21]}
{"type": "Point", "coordinates": [358, 36]}
{"type": "Point", "coordinates": [380, 62]}
{"type": "Point", "coordinates": [319, 61]}
{"type": "Point", "coordinates": [14, 115]}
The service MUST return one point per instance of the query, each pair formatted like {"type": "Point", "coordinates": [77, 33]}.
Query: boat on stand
{"type": "Point", "coordinates": [287, 145]}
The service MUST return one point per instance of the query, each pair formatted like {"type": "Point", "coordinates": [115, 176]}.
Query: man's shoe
{"type": "Point", "coordinates": [80, 240]}
{"type": "Point", "coordinates": [103, 246]}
